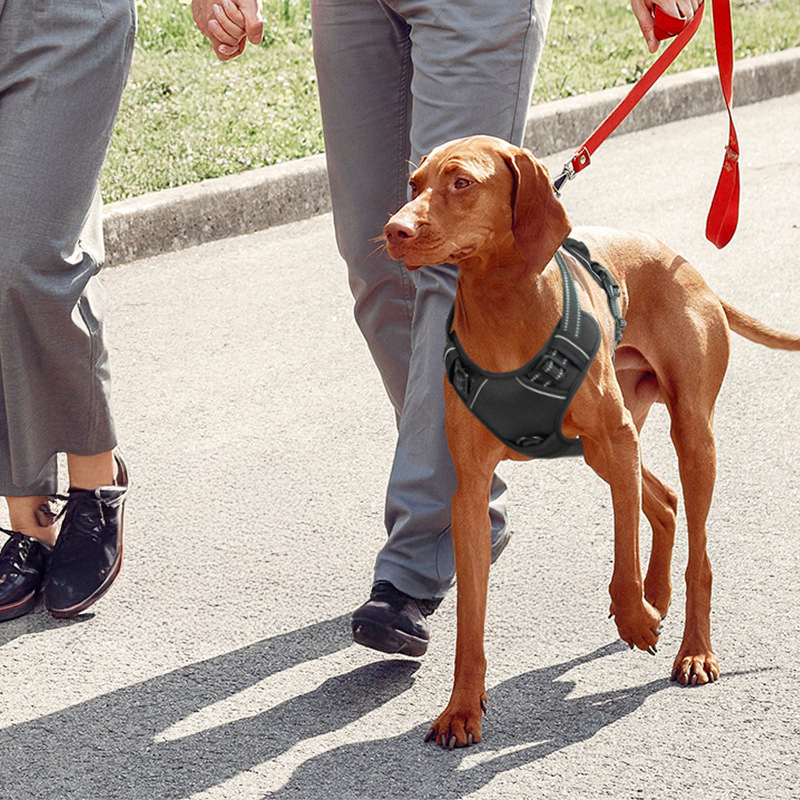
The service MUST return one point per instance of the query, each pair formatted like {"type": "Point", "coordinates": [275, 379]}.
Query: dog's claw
{"type": "Point", "coordinates": [470, 740]}
{"type": "Point", "coordinates": [453, 741]}
{"type": "Point", "coordinates": [652, 650]}
{"type": "Point", "coordinates": [485, 706]}
{"type": "Point", "coordinates": [430, 735]}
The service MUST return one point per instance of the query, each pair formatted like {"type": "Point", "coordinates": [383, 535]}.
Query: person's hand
{"type": "Point", "coordinates": [643, 11]}
{"type": "Point", "coordinates": [229, 24]}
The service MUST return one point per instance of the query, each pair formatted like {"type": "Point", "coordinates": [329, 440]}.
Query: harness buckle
{"type": "Point", "coordinates": [460, 379]}
{"type": "Point", "coordinates": [529, 441]}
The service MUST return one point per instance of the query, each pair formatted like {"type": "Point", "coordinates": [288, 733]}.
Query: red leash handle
{"type": "Point", "coordinates": [665, 26]}
{"type": "Point", "coordinates": [723, 216]}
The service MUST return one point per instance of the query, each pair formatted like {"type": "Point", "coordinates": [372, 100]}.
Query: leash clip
{"type": "Point", "coordinates": [567, 174]}
{"type": "Point", "coordinates": [579, 161]}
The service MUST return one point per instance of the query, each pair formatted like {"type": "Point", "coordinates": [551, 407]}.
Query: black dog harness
{"type": "Point", "coordinates": [524, 408]}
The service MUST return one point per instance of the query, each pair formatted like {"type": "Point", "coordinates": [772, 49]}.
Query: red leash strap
{"type": "Point", "coordinates": [583, 155]}
{"type": "Point", "coordinates": [724, 212]}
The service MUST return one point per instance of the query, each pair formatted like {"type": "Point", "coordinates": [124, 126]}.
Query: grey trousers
{"type": "Point", "coordinates": [396, 78]}
{"type": "Point", "coordinates": [63, 66]}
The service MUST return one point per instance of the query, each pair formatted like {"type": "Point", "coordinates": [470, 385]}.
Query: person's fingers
{"type": "Point", "coordinates": [223, 28]}
{"type": "Point", "coordinates": [254, 22]}
{"type": "Point", "coordinates": [644, 16]}
{"type": "Point", "coordinates": [234, 13]}
{"type": "Point", "coordinates": [226, 52]}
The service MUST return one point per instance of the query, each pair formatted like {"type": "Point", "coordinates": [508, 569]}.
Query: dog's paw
{"type": "Point", "coordinates": [695, 670]}
{"type": "Point", "coordinates": [638, 626]}
{"type": "Point", "coordinates": [458, 725]}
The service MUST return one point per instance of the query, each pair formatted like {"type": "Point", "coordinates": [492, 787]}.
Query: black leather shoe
{"type": "Point", "coordinates": [23, 561]}
{"type": "Point", "coordinates": [393, 622]}
{"type": "Point", "coordinates": [88, 552]}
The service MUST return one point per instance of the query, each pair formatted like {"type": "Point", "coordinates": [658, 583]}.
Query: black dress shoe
{"type": "Point", "coordinates": [23, 561]}
{"type": "Point", "coordinates": [88, 552]}
{"type": "Point", "coordinates": [393, 622]}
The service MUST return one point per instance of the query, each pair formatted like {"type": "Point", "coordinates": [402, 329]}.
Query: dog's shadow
{"type": "Point", "coordinates": [536, 717]}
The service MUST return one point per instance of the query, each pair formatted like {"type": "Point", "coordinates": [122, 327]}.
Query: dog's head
{"type": "Point", "coordinates": [478, 200]}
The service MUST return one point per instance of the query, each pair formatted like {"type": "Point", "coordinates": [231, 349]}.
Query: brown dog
{"type": "Point", "coordinates": [489, 208]}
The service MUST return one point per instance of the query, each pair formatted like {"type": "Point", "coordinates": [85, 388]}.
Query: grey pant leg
{"type": "Point", "coordinates": [395, 80]}
{"type": "Point", "coordinates": [63, 67]}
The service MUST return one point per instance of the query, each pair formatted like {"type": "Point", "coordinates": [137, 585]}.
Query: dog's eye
{"type": "Point", "coordinates": [413, 186]}
{"type": "Point", "coordinates": [462, 183]}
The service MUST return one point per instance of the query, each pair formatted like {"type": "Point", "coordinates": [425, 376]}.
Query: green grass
{"type": "Point", "coordinates": [186, 117]}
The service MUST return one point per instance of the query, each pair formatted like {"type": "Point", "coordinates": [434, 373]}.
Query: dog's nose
{"type": "Point", "coordinates": [399, 229]}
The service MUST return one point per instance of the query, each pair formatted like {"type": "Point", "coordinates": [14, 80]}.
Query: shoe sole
{"type": "Point", "coordinates": [387, 639]}
{"type": "Point", "coordinates": [20, 608]}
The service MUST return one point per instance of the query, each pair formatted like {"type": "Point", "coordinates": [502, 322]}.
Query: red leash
{"type": "Point", "coordinates": [724, 213]}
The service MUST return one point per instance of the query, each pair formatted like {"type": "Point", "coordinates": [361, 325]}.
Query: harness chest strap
{"type": "Point", "coordinates": [525, 408]}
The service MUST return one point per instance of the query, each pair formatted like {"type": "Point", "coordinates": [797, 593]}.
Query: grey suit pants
{"type": "Point", "coordinates": [396, 78]}
{"type": "Point", "coordinates": [63, 66]}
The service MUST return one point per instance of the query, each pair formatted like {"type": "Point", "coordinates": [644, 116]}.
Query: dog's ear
{"type": "Point", "coordinates": [540, 223]}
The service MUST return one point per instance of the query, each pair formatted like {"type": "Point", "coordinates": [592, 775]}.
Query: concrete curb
{"type": "Point", "coordinates": [173, 219]}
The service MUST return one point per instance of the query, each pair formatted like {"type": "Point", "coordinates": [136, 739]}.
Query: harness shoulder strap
{"type": "Point", "coordinates": [603, 276]}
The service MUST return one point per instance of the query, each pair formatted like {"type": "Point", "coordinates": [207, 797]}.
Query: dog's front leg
{"type": "Point", "coordinates": [459, 724]}
{"type": "Point", "coordinates": [474, 453]}
{"type": "Point", "coordinates": [615, 457]}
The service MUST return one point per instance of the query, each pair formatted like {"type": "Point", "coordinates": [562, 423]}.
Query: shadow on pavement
{"type": "Point", "coordinates": [536, 716]}
{"type": "Point", "coordinates": [106, 747]}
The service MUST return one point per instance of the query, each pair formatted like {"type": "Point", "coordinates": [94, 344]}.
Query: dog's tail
{"type": "Point", "coordinates": [758, 332]}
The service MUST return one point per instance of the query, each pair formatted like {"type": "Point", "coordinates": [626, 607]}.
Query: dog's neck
{"type": "Point", "coordinates": [505, 314]}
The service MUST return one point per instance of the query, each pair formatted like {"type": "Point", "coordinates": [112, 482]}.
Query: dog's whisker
{"type": "Point", "coordinates": [382, 245]}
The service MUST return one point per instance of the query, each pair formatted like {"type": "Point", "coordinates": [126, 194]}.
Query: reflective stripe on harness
{"type": "Point", "coordinates": [525, 408]}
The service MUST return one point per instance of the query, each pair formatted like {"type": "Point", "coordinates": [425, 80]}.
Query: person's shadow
{"type": "Point", "coordinates": [107, 747]}
{"type": "Point", "coordinates": [111, 746]}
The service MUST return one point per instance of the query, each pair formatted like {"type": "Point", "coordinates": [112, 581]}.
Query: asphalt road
{"type": "Point", "coordinates": [259, 442]}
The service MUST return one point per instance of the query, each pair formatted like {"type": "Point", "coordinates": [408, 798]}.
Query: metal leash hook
{"type": "Point", "coordinates": [580, 160]}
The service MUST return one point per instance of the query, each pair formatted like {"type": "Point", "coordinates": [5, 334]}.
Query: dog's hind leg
{"type": "Point", "coordinates": [694, 443]}
{"type": "Point", "coordinates": [613, 453]}
{"type": "Point", "coordinates": [639, 386]}
{"type": "Point", "coordinates": [660, 505]}
{"type": "Point", "coordinates": [659, 502]}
